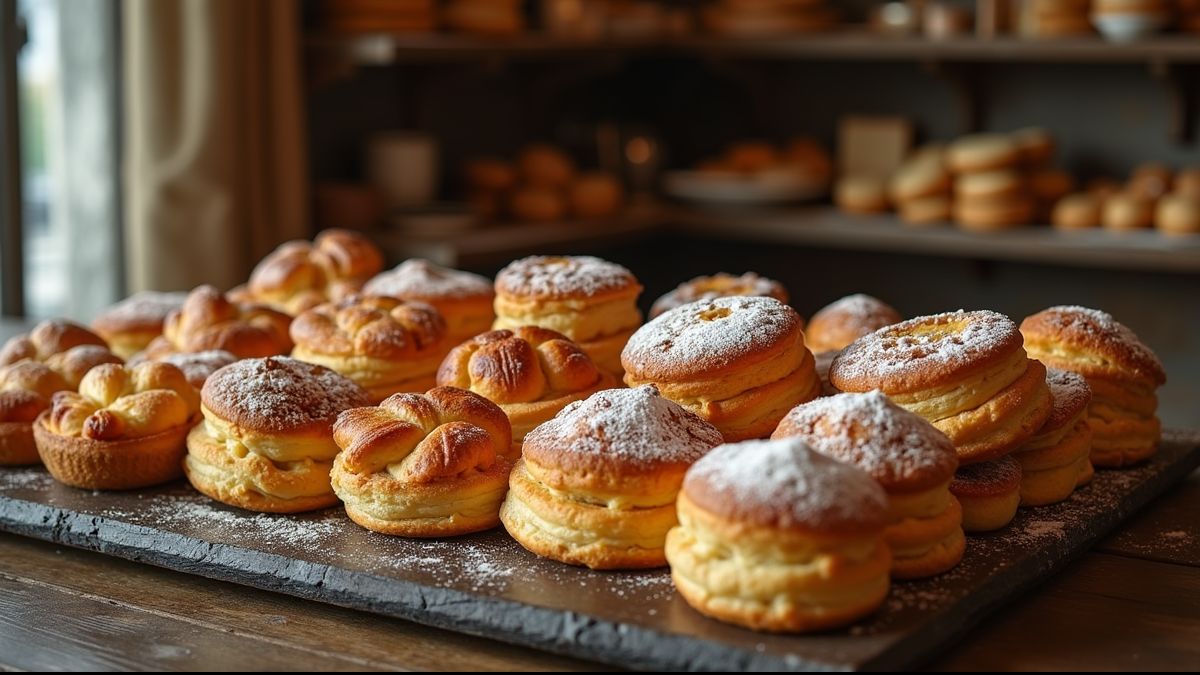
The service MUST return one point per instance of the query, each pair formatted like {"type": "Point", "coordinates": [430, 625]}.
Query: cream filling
{"type": "Point", "coordinates": [530, 522]}
{"type": "Point", "coordinates": [276, 448]}
{"type": "Point", "coordinates": [411, 507]}
{"type": "Point", "coordinates": [372, 372]}
{"type": "Point", "coordinates": [580, 320]}
{"type": "Point", "coordinates": [1054, 436]}
{"type": "Point", "coordinates": [925, 504]}
{"type": "Point", "coordinates": [233, 482]}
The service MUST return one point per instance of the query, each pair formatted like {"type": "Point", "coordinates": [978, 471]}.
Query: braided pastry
{"type": "Point", "coordinates": [46, 339]}
{"type": "Point", "coordinates": [25, 391]}
{"type": "Point", "coordinates": [300, 275]}
{"type": "Point", "coordinates": [464, 299]}
{"type": "Point", "coordinates": [210, 321]}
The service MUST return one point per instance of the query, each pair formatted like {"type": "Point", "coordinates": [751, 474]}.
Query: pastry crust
{"type": "Point", "coordinates": [48, 338]}
{"type": "Point", "coordinates": [130, 325]}
{"type": "Point", "coordinates": [299, 274]}
{"type": "Point", "coordinates": [210, 321]}
{"type": "Point", "coordinates": [989, 493]}
{"type": "Point", "coordinates": [719, 285]}
{"type": "Point", "coordinates": [463, 299]}
{"type": "Point", "coordinates": [843, 321]}
{"type": "Point", "coordinates": [25, 391]}
{"type": "Point", "coordinates": [977, 153]}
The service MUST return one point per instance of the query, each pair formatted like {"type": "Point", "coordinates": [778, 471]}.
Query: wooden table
{"type": "Point", "coordinates": [1133, 603]}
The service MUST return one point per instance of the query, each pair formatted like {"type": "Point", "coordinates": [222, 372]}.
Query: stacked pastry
{"type": "Point", "coordinates": [596, 485]}
{"type": "Point", "coordinates": [840, 323]}
{"type": "Point", "coordinates": [531, 373]}
{"type": "Point", "coordinates": [493, 18]}
{"type": "Point", "coordinates": [210, 321]}
{"type": "Point", "coordinates": [775, 536]}
{"type": "Point", "coordinates": [1056, 460]}
{"type": "Point", "coordinates": [423, 465]}
{"type": "Point", "coordinates": [463, 299]}
{"type": "Point", "coordinates": [130, 325]}
{"type": "Point", "coordinates": [719, 285]}
{"type": "Point", "coordinates": [739, 363]}
{"type": "Point", "coordinates": [989, 493]}
{"type": "Point", "coordinates": [384, 344]}
{"type": "Point", "coordinates": [911, 460]}
{"type": "Point", "coordinates": [990, 191]}
{"type": "Point", "coordinates": [1122, 372]}
{"type": "Point", "coordinates": [921, 189]}
{"type": "Point", "coordinates": [25, 390]}
{"type": "Point", "coordinates": [591, 301]}
{"type": "Point", "coordinates": [299, 274]}
{"type": "Point", "coordinates": [66, 348]}
{"type": "Point", "coordinates": [754, 18]}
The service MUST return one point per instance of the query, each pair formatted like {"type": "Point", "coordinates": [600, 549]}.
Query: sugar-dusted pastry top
{"type": "Point", "coordinates": [419, 279]}
{"type": "Point", "coordinates": [279, 394]}
{"type": "Point", "coordinates": [565, 277]}
{"type": "Point", "coordinates": [1090, 342]}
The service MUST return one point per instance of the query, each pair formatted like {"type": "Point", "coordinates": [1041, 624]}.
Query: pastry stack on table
{"type": "Point", "coordinates": [719, 438]}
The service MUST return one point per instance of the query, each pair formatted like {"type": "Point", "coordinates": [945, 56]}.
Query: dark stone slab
{"type": "Point", "coordinates": [487, 585]}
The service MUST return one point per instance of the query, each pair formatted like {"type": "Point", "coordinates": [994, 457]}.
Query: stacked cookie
{"type": "Point", "coordinates": [921, 189]}
{"type": "Point", "coordinates": [990, 190]}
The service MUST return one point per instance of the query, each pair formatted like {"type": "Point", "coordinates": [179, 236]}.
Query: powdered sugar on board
{"type": "Point", "coordinates": [549, 277]}
{"type": "Point", "coordinates": [280, 393]}
{"type": "Point", "coordinates": [420, 279]}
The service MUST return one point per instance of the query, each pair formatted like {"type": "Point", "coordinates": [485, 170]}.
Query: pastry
{"type": "Point", "coordinates": [1187, 182]}
{"type": "Point", "coordinates": [719, 285]}
{"type": "Point", "coordinates": [423, 465]}
{"type": "Point", "coordinates": [1149, 181]}
{"type": "Point", "coordinates": [596, 485]}
{"type": "Point", "coordinates": [993, 215]}
{"type": "Point", "coordinates": [843, 321]}
{"type": "Point", "coordinates": [266, 443]}
{"type": "Point", "coordinates": [1126, 211]}
{"type": "Point", "coordinates": [1122, 372]}
{"type": "Point", "coordinates": [198, 366]}
{"type": "Point", "coordinates": [489, 174]}
{"type": "Point", "coordinates": [591, 301]}
{"type": "Point", "coordinates": [463, 299]}
{"type": "Point", "coordinates": [124, 429]}
{"type": "Point", "coordinates": [538, 204]}
{"type": "Point", "coordinates": [492, 18]}
{"type": "Point", "coordinates": [384, 344]}
{"type": "Point", "coordinates": [1178, 214]}
{"type": "Point", "coordinates": [595, 194]}
{"type": "Point", "coordinates": [774, 536]}
{"type": "Point", "coordinates": [1050, 185]}
{"type": "Point", "coordinates": [25, 391]}
{"type": "Point", "coordinates": [824, 360]}
{"type": "Point", "coordinates": [1035, 146]}
{"type": "Point", "coordinates": [739, 363]}
{"type": "Point", "coordinates": [530, 372]}
{"type": "Point", "coordinates": [978, 153]}
{"type": "Point", "coordinates": [927, 210]}
{"type": "Point", "coordinates": [989, 493]}
{"type": "Point", "coordinates": [300, 274]}
{"type": "Point", "coordinates": [75, 362]}
{"type": "Point", "coordinates": [131, 324]}
{"type": "Point", "coordinates": [210, 321]}
{"type": "Point", "coordinates": [751, 156]}
{"type": "Point", "coordinates": [1079, 211]}
{"type": "Point", "coordinates": [966, 372]}
{"type": "Point", "coordinates": [545, 166]}
{"type": "Point", "coordinates": [861, 194]}
{"type": "Point", "coordinates": [920, 177]}
{"type": "Point", "coordinates": [46, 339]}
{"type": "Point", "coordinates": [1056, 458]}
{"type": "Point", "coordinates": [911, 460]}
{"type": "Point", "coordinates": [998, 185]}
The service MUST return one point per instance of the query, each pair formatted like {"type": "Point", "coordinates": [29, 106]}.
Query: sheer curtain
{"type": "Point", "coordinates": [215, 157]}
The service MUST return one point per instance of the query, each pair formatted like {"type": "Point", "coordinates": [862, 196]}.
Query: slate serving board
{"type": "Point", "coordinates": [487, 585]}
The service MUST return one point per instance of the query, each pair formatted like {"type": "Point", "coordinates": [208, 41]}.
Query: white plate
{"type": "Point", "coordinates": [1122, 27]}
{"type": "Point", "coordinates": [767, 187]}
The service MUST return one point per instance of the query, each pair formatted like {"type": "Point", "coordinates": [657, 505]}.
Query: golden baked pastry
{"type": "Point", "coordinates": [591, 301]}
{"type": "Point", "coordinates": [209, 321]}
{"type": "Point", "coordinates": [530, 372]}
{"type": "Point", "coordinates": [843, 321]}
{"type": "Point", "coordinates": [131, 324]}
{"type": "Point", "coordinates": [538, 204]}
{"type": "Point", "coordinates": [595, 194]}
{"type": "Point", "coordinates": [927, 210]}
{"type": "Point", "coordinates": [966, 372]}
{"type": "Point", "coordinates": [977, 153]}
{"type": "Point", "coordinates": [384, 344]}
{"type": "Point", "coordinates": [1178, 214]}
{"type": "Point", "coordinates": [1000, 184]}
{"type": "Point", "coordinates": [25, 391]}
{"type": "Point", "coordinates": [1035, 146]}
{"type": "Point", "coordinates": [1055, 460]}
{"type": "Point", "coordinates": [1149, 181]}
{"type": "Point", "coordinates": [1077, 212]}
{"type": "Point", "coordinates": [489, 174]}
{"type": "Point", "coordinates": [74, 363]}
{"type": "Point", "coordinates": [48, 338]}
{"type": "Point", "coordinates": [266, 443]}
{"type": "Point", "coordinates": [423, 465]}
{"type": "Point", "coordinates": [910, 459]}
{"type": "Point", "coordinates": [993, 215]}
{"type": "Point", "coordinates": [596, 485]}
{"type": "Point", "coordinates": [1125, 211]}
{"type": "Point", "coordinates": [861, 194]}
{"type": "Point", "coordinates": [301, 274]}
{"type": "Point", "coordinates": [1122, 372]}
{"type": "Point", "coordinates": [920, 176]}
{"type": "Point", "coordinates": [719, 285]}
{"type": "Point", "coordinates": [125, 428]}
{"type": "Point", "coordinates": [198, 366]}
{"type": "Point", "coordinates": [989, 493]}
{"type": "Point", "coordinates": [774, 536]}
{"type": "Point", "coordinates": [739, 363]}
{"type": "Point", "coordinates": [463, 299]}
{"type": "Point", "coordinates": [1187, 182]}
{"type": "Point", "coordinates": [546, 166]}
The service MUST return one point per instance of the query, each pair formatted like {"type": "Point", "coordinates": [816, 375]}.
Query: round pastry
{"type": "Point", "coordinates": [595, 195]}
{"type": "Point", "coordinates": [1178, 214]}
{"type": "Point", "coordinates": [25, 391]}
{"type": "Point", "coordinates": [739, 363]}
{"type": "Point", "coordinates": [74, 363]}
{"type": "Point", "coordinates": [1077, 212]}
{"type": "Point", "coordinates": [919, 177]}
{"type": "Point", "coordinates": [131, 324]}
{"type": "Point", "coordinates": [530, 372]}
{"type": "Point", "coordinates": [209, 321]}
{"type": "Point", "coordinates": [596, 485]}
{"type": "Point", "coordinates": [774, 536]}
{"type": "Point", "coordinates": [384, 344]}
{"type": "Point", "coordinates": [999, 185]}
{"type": "Point", "coordinates": [861, 194]}
{"type": "Point", "coordinates": [993, 215]}
{"type": "Point", "coordinates": [124, 429]}
{"type": "Point", "coordinates": [490, 174]}
{"type": "Point", "coordinates": [266, 443]}
{"type": "Point", "coordinates": [46, 339]}
{"type": "Point", "coordinates": [299, 274]}
{"type": "Point", "coordinates": [989, 493]}
{"type": "Point", "coordinates": [910, 459]}
{"type": "Point", "coordinates": [1149, 181]}
{"type": "Point", "coordinates": [982, 152]}
{"type": "Point", "coordinates": [545, 166]}
{"type": "Point", "coordinates": [1035, 145]}
{"type": "Point", "coordinates": [843, 321]}
{"type": "Point", "coordinates": [1187, 183]}
{"type": "Point", "coordinates": [423, 465]}
{"type": "Point", "coordinates": [719, 285]}
{"type": "Point", "coordinates": [773, 21]}
{"type": "Point", "coordinates": [1057, 457]}
{"type": "Point", "coordinates": [1050, 185]}
{"type": "Point", "coordinates": [927, 210]}
{"type": "Point", "coordinates": [809, 156]}
{"type": "Point", "coordinates": [1124, 211]}
{"type": "Point", "coordinates": [198, 366]}
{"type": "Point", "coordinates": [591, 301]}
{"type": "Point", "coordinates": [966, 372]}
{"type": "Point", "coordinates": [463, 299]}
{"type": "Point", "coordinates": [1122, 372]}
{"type": "Point", "coordinates": [538, 204]}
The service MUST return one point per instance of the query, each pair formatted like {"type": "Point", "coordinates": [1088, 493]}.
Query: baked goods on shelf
{"type": "Point", "coordinates": [131, 324]}
{"type": "Point", "coordinates": [759, 18]}
{"type": "Point", "coordinates": [739, 363]}
{"type": "Point", "coordinates": [384, 344]}
{"type": "Point", "coordinates": [591, 301]}
{"type": "Point", "coordinates": [921, 188]}
{"type": "Point", "coordinates": [375, 16]}
{"type": "Point", "coordinates": [1056, 460]}
{"type": "Point", "coordinates": [910, 459]}
{"type": "Point", "coordinates": [47, 338]}
{"type": "Point", "coordinates": [543, 184]}
{"type": "Point", "coordinates": [301, 274]}
{"type": "Point", "coordinates": [463, 299]}
{"type": "Point", "coordinates": [489, 18]}
{"type": "Point", "coordinates": [989, 493]}
{"type": "Point", "coordinates": [719, 285]}
{"type": "Point", "coordinates": [1178, 214]}
{"type": "Point", "coordinates": [198, 366]}
{"type": "Point", "coordinates": [210, 321]}
{"type": "Point", "coordinates": [266, 443]}
{"type": "Point", "coordinates": [531, 373]}
{"type": "Point", "coordinates": [25, 391]}
{"type": "Point", "coordinates": [843, 321]}
{"type": "Point", "coordinates": [125, 428]}
{"type": "Point", "coordinates": [423, 465]}
{"type": "Point", "coordinates": [861, 194]}
{"type": "Point", "coordinates": [1079, 211]}
{"type": "Point", "coordinates": [595, 194]}
{"type": "Point", "coordinates": [596, 485]}
{"type": "Point", "coordinates": [1123, 374]}
{"type": "Point", "coordinates": [966, 372]}
{"type": "Point", "coordinates": [775, 536]}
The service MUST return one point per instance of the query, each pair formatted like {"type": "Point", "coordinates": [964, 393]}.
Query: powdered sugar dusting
{"type": "Point", "coordinates": [563, 276]}
{"type": "Point", "coordinates": [987, 478]}
{"type": "Point", "coordinates": [144, 310]}
{"type": "Point", "coordinates": [720, 285]}
{"type": "Point", "coordinates": [198, 366]}
{"type": "Point", "coordinates": [279, 393]}
{"type": "Point", "coordinates": [1070, 393]}
{"type": "Point", "coordinates": [860, 308]}
{"type": "Point", "coordinates": [1073, 319]}
{"type": "Point", "coordinates": [419, 279]}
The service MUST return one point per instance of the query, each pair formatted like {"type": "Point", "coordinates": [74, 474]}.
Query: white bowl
{"type": "Point", "coordinates": [1128, 27]}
